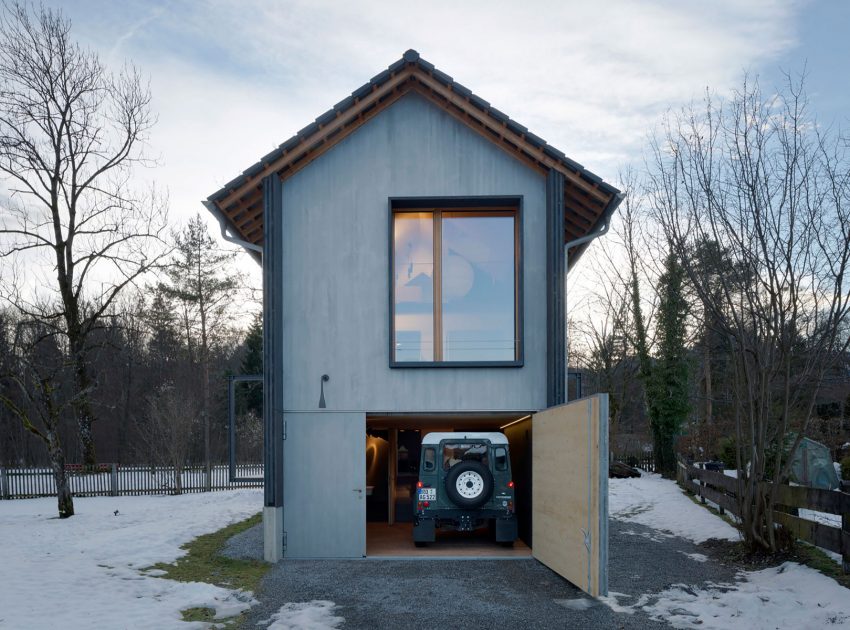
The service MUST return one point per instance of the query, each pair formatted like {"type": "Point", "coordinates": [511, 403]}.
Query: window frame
{"type": "Point", "coordinates": [482, 204]}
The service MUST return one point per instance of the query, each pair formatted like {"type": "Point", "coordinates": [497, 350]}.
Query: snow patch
{"type": "Point", "coordinates": [654, 536]}
{"type": "Point", "coordinates": [787, 596]}
{"type": "Point", "coordinates": [790, 596]}
{"type": "Point", "coordinates": [315, 615]}
{"type": "Point", "coordinates": [659, 503]}
{"type": "Point", "coordinates": [94, 562]}
{"type": "Point", "coordinates": [579, 603]}
{"type": "Point", "coordinates": [698, 557]}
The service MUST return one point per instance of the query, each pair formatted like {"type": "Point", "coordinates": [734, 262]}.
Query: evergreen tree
{"type": "Point", "coordinates": [667, 387]}
{"type": "Point", "coordinates": [666, 376]}
{"type": "Point", "coordinates": [251, 396]}
{"type": "Point", "coordinates": [201, 279]}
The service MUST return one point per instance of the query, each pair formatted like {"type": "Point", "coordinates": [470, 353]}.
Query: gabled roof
{"type": "Point", "coordinates": [588, 200]}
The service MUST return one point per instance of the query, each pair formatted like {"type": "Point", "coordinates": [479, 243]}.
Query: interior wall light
{"type": "Point", "coordinates": [505, 426]}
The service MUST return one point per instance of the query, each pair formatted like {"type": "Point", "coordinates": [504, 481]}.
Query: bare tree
{"type": "Point", "coordinates": [769, 190]}
{"type": "Point", "coordinates": [35, 372]}
{"type": "Point", "coordinates": [168, 431]}
{"type": "Point", "coordinates": [70, 133]}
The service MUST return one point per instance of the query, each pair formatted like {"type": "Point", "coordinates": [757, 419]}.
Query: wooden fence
{"type": "Point", "coordinates": [644, 461]}
{"type": "Point", "coordinates": [114, 480]}
{"type": "Point", "coordinates": [822, 530]}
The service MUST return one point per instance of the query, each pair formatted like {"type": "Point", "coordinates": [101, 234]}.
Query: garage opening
{"type": "Point", "coordinates": [393, 453]}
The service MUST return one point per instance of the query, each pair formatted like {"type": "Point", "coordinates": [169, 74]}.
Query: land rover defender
{"type": "Point", "coordinates": [464, 484]}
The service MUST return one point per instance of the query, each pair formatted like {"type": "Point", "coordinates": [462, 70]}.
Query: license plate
{"type": "Point", "coordinates": [427, 494]}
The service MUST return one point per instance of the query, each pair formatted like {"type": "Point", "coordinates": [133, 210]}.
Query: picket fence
{"type": "Point", "coordinates": [114, 480]}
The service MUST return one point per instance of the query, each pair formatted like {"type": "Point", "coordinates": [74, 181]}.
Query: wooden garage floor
{"type": "Point", "coordinates": [397, 541]}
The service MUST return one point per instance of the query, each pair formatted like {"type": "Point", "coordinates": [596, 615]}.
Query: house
{"type": "Point", "coordinates": [415, 244]}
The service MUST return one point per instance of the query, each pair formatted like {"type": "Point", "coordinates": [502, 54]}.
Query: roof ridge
{"type": "Point", "coordinates": [413, 58]}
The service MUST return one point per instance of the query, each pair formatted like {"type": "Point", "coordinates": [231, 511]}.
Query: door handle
{"type": "Point", "coordinates": [360, 490]}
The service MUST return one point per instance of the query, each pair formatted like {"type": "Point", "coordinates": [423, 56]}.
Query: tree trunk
{"type": "Point", "coordinates": [205, 374]}
{"type": "Point", "coordinates": [60, 476]}
{"type": "Point", "coordinates": [178, 478]}
{"type": "Point", "coordinates": [123, 438]}
{"type": "Point", "coordinates": [82, 403]}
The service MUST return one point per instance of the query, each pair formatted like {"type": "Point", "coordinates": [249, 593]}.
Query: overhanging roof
{"type": "Point", "coordinates": [588, 200]}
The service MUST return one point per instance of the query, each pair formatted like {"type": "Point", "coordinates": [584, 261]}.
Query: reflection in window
{"type": "Point", "coordinates": [413, 273]}
{"type": "Point", "coordinates": [456, 453]}
{"type": "Point", "coordinates": [478, 286]}
{"type": "Point", "coordinates": [454, 284]}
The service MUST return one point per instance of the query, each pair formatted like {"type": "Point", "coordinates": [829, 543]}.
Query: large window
{"type": "Point", "coordinates": [455, 283]}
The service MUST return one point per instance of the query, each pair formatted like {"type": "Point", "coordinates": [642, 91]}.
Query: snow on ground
{"type": "Point", "coordinates": [315, 615]}
{"type": "Point", "coordinates": [659, 503]}
{"type": "Point", "coordinates": [787, 596]}
{"type": "Point", "coordinates": [85, 571]}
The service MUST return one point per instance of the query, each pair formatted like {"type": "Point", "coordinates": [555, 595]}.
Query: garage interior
{"type": "Point", "coordinates": [393, 445]}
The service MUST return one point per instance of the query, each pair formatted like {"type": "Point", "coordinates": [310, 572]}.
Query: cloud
{"type": "Point", "coordinates": [232, 79]}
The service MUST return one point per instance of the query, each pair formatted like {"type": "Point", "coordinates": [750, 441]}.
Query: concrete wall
{"type": "Point", "coordinates": [335, 285]}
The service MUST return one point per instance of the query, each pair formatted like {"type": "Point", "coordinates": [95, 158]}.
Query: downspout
{"type": "Point", "coordinates": [606, 217]}
{"type": "Point", "coordinates": [223, 223]}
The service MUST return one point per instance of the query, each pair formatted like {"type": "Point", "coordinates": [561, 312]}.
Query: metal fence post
{"type": "Point", "coordinates": [113, 481]}
{"type": "Point", "coordinates": [4, 484]}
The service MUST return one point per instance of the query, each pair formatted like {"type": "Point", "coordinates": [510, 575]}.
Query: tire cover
{"type": "Point", "coordinates": [469, 484]}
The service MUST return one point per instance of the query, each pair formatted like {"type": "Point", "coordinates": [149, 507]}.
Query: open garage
{"type": "Point", "coordinates": [393, 449]}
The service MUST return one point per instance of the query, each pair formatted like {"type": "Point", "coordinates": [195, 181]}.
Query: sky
{"type": "Point", "coordinates": [231, 80]}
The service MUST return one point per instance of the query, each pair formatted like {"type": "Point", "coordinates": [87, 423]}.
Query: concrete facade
{"type": "Point", "coordinates": [336, 262]}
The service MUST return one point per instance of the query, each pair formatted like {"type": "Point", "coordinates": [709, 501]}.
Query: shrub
{"type": "Point", "coordinates": [726, 447]}
{"type": "Point", "coordinates": [845, 468]}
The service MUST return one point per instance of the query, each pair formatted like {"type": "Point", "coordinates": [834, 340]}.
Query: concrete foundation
{"type": "Point", "coordinates": [272, 534]}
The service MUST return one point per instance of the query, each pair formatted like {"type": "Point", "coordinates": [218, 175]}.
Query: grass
{"type": "Point", "coordinates": [203, 562]}
{"type": "Point", "coordinates": [198, 613]}
{"type": "Point", "coordinates": [813, 557]}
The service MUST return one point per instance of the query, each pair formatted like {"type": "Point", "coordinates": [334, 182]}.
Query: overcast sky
{"type": "Point", "coordinates": [232, 80]}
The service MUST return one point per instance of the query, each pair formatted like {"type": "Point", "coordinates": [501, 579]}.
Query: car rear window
{"type": "Point", "coordinates": [501, 456]}
{"type": "Point", "coordinates": [464, 451]}
{"type": "Point", "coordinates": [429, 461]}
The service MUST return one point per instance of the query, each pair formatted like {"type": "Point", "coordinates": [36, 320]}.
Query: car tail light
{"type": "Point", "coordinates": [510, 506]}
{"type": "Point", "coordinates": [510, 484]}
{"type": "Point", "coordinates": [427, 504]}
{"type": "Point", "coordinates": [418, 484]}
{"type": "Point", "coordinates": [419, 506]}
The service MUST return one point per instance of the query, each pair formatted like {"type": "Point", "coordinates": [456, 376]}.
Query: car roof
{"type": "Point", "coordinates": [494, 437]}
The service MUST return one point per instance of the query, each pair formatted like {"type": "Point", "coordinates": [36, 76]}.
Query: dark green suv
{"type": "Point", "coordinates": [464, 483]}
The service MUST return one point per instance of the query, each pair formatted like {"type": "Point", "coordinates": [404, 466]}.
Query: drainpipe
{"type": "Point", "coordinates": [223, 223]}
{"type": "Point", "coordinates": [606, 217]}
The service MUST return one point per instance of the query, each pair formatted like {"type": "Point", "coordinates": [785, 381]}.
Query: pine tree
{"type": "Point", "coordinates": [251, 397]}
{"type": "Point", "coordinates": [201, 279]}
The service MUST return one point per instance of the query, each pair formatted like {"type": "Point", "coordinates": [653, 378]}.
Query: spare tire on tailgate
{"type": "Point", "coordinates": [469, 484]}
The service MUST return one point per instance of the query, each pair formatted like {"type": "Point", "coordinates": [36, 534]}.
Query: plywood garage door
{"type": "Point", "coordinates": [570, 491]}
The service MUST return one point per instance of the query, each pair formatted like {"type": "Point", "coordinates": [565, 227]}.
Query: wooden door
{"type": "Point", "coordinates": [570, 491]}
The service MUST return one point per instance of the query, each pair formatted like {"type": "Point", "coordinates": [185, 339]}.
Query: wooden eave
{"type": "Point", "coordinates": [588, 200]}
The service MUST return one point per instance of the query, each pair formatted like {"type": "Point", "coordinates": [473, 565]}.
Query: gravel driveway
{"type": "Point", "coordinates": [483, 593]}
